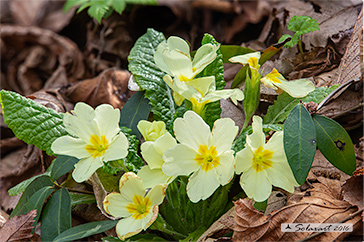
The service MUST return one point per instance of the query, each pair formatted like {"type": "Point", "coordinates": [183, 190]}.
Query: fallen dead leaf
{"type": "Point", "coordinates": [111, 86]}
{"type": "Point", "coordinates": [321, 204]}
{"type": "Point", "coordinates": [18, 228]}
{"type": "Point", "coordinates": [353, 189]}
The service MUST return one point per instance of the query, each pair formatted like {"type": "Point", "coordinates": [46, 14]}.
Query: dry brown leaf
{"type": "Point", "coordinates": [320, 204]}
{"type": "Point", "coordinates": [111, 86]}
{"type": "Point", "coordinates": [353, 189]}
{"type": "Point", "coordinates": [35, 57]}
{"type": "Point", "coordinates": [18, 228]}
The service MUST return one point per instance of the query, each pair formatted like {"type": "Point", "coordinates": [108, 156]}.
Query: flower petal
{"type": "Point", "coordinates": [202, 84]}
{"type": "Point", "coordinates": [243, 160]}
{"type": "Point", "coordinates": [151, 155]}
{"type": "Point", "coordinates": [178, 43]}
{"type": "Point", "coordinates": [225, 171]}
{"type": "Point", "coordinates": [152, 177]}
{"type": "Point", "coordinates": [204, 56]}
{"type": "Point", "coordinates": [131, 185]}
{"type": "Point", "coordinates": [107, 119]}
{"type": "Point", "coordinates": [296, 88]}
{"type": "Point", "coordinates": [80, 124]}
{"type": "Point", "coordinates": [115, 205]}
{"type": "Point", "coordinates": [85, 168]}
{"type": "Point", "coordinates": [179, 63]}
{"type": "Point", "coordinates": [223, 134]}
{"type": "Point", "coordinates": [118, 148]}
{"type": "Point", "coordinates": [128, 227]}
{"type": "Point", "coordinates": [243, 59]}
{"type": "Point", "coordinates": [256, 185]}
{"type": "Point", "coordinates": [201, 185]}
{"type": "Point", "coordinates": [234, 94]}
{"type": "Point", "coordinates": [149, 219]}
{"type": "Point", "coordinates": [191, 130]}
{"type": "Point", "coordinates": [157, 194]}
{"type": "Point", "coordinates": [280, 174]}
{"type": "Point", "coordinates": [67, 145]}
{"type": "Point", "coordinates": [257, 138]}
{"type": "Point", "coordinates": [179, 160]}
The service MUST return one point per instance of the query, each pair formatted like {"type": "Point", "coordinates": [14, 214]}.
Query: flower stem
{"type": "Point", "coordinates": [300, 45]}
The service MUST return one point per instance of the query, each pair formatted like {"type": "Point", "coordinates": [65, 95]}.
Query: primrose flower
{"type": "Point", "coordinates": [295, 88]}
{"type": "Point", "coordinates": [206, 154]}
{"type": "Point", "coordinates": [263, 164]}
{"type": "Point", "coordinates": [251, 59]}
{"type": "Point", "coordinates": [137, 209]}
{"type": "Point", "coordinates": [151, 130]}
{"type": "Point", "coordinates": [152, 153]}
{"type": "Point", "coordinates": [204, 94]}
{"type": "Point", "coordinates": [173, 57]}
{"type": "Point", "coordinates": [96, 137]}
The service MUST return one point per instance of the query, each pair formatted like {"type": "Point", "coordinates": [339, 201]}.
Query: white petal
{"type": "Point", "coordinates": [256, 185]}
{"type": "Point", "coordinates": [151, 155]}
{"type": "Point", "coordinates": [179, 160]}
{"type": "Point", "coordinates": [128, 227]}
{"type": "Point", "coordinates": [243, 59]}
{"type": "Point", "coordinates": [225, 171]}
{"type": "Point", "coordinates": [296, 88]}
{"type": "Point", "coordinates": [67, 145]}
{"type": "Point", "coordinates": [179, 63]}
{"type": "Point", "coordinates": [157, 194]}
{"type": "Point", "coordinates": [201, 185]}
{"type": "Point", "coordinates": [275, 144]}
{"type": "Point", "coordinates": [118, 148]}
{"type": "Point", "coordinates": [243, 160]}
{"type": "Point", "coordinates": [178, 43]}
{"type": "Point", "coordinates": [152, 177]}
{"type": "Point", "coordinates": [115, 205]}
{"type": "Point", "coordinates": [223, 134]}
{"type": "Point", "coordinates": [281, 176]}
{"type": "Point", "coordinates": [131, 185]}
{"type": "Point", "coordinates": [85, 168]}
{"type": "Point", "coordinates": [257, 138]}
{"type": "Point", "coordinates": [80, 126]}
{"type": "Point", "coordinates": [107, 119]}
{"type": "Point", "coordinates": [192, 130]}
{"type": "Point", "coordinates": [202, 84]}
{"type": "Point", "coordinates": [204, 56]}
{"type": "Point", "coordinates": [165, 142]}
{"type": "Point", "coordinates": [158, 58]}
{"type": "Point", "coordinates": [132, 84]}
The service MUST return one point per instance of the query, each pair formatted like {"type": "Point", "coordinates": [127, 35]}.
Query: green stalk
{"type": "Point", "coordinates": [300, 45]}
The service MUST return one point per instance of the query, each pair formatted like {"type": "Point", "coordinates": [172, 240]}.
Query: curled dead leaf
{"type": "Point", "coordinates": [353, 189]}
{"type": "Point", "coordinates": [18, 227]}
{"type": "Point", "coordinates": [321, 204]}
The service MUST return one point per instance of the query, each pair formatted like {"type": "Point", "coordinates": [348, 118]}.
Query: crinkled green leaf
{"type": "Point", "coordinates": [149, 77]}
{"type": "Point", "coordinates": [85, 230]}
{"type": "Point", "coordinates": [24, 184]}
{"type": "Point", "coordinates": [98, 9]}
{"type": "Point", "coordinates": [30, 121]}
{"type": "Point", "coordinates": [71, 3]}
{"type": "Point", "coordinates": [132, 161]}
{"type": "Point", "coordinates": [299, 137]}
{"type": "Point", "coordinates": [34, 186]}
{"type": "Point", "coordinates": [77, 199]}
{"type": "Point", "coordinates": [216, 68]}
{"type": "Point", "coordinates": [303, 24]}
{"type": "Point", "coordinates": [56, 216]}
{"type": "Point", "coordinates": [279, 111]}
{"type": "Point", "coordinates": [135, 109]}
{"type": "Point", "coordinates": [62, 165]}
{"type": "Point", "coordinates": [335, 144]}
{"type": "Point", "coordinates": [118, 5]}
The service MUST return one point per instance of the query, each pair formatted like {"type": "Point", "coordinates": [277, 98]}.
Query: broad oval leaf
{"type": "Point", "coordinates": [299, 137]}
{"type": "Point", "coordinates": [335, 144]}
{"type": "Point", "coordinates": [32, 122]}
{"type": "Point", "coordinates": [61, 165]}
{"type": "Point", "coordinates": [77, 199]}
{"type": "Point", "coordinates": [56, 216]}
{"type": "Point", "coordinates": [135, 109]}
{"type": "Point", "coordinates": [85, 230]}
{"type": "Point", "coordinates": [33, 187]}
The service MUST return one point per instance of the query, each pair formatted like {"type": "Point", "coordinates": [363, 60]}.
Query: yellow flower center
{"type": "Point", "coordinates": [140, 207]}
{"type": "Point", "coordinates": [254, 62]}
{"type": "Point", "coordinates": [207, 157]}
{"type": "Point", "coordinates": [183, 78]}
{"type": "Point", "coordinates": [198, 107]}
{"type": "Point", "coordinates": [273, 76]}
{"type": "Point", "coordinates": [262, 159]}
{"type": "Point", "coordinates": [98, 145]}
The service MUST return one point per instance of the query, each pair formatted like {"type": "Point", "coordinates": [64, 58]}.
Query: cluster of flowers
{"type": "Point", "coordinates": [195, 150]}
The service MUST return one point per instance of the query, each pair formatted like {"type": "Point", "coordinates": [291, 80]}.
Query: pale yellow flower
{"type": "Point", "coordinates": [263, 164]}
{"type": "Point", "coordinates": [151, 130]}
{"type": "Point", "coordinates": [96, 137]}
{"type": "Point", "coordinates": [207, 154]}
{"type": "Point", "coordinates": [137, 209]}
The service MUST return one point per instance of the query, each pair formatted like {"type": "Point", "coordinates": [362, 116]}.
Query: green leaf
{"type": "Point", "coordinates": [216, 68]}
{"type": "Point", "coordinates": [251, 97]}
{"type": "Point", "coordinates": [229, 51]}
{"type": "Point", "coordinates": [30, 121]}
{"type": "Point", "coordinates": [34, 186]}
{"type": "Point", "coordinates": [77, 199]}
{"type": "Point", "coordinates": [239, 77]}
{"type": "Point", "coordinates": [303, 24]}
{"type": "Point", "coordinates": [62, 165]}
{"type": "Point", "coordinates": [36, 201]}
{"type": "Point", "coordinates": [299, 137]}
{"type": "Point", "coordinates": [71, 3]}
{"type": "Point", "coordinates": [24, 184]}
{"type": "Point", "coordinates": [56, 216]}
{"type": "Point", "coordinates": [132, 161]}
{"type": "Point", "coordinates": [85, 230]}
{"type": "Point", "coordinates": [98, 9]}
{"type": "Point", "coordinates": [335, 144]}
{"type": "Point", "coordinates": [261, 206]}
{"type": "Point", "coordinates": [279, 111]}
{"type": "Point", "coordinates": [118, 5]}
{"type": "Point", "coordinates": [135, 109]}
{"type": "Point", "coordinates": [149, 77]}
{"type": "Point", "coordinates": [284, 37]}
